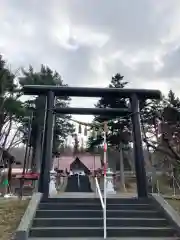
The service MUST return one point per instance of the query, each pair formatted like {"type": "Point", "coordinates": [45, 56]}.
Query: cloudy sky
{"type": "Point", "coordinates": [88, 41]}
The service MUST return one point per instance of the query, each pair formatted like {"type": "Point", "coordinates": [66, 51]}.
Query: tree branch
{"type": "Point", "coordinates": [12, 141]}
{"type": "Point", "coordinates": [162, 150]}
{"type": "Point", "coordinates": [7, 133]}
{"type": "Point", "coordinates": [177, 156]}
{"type": "Point", "coordinates": [15, 144]}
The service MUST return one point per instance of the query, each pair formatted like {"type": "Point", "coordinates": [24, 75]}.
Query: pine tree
{"type": "Point", "coordinates": [161, 128]}
{"type": "Point", "coordinates": [62, 127]}
{"type": "Point", "coordinates": [117, 128]}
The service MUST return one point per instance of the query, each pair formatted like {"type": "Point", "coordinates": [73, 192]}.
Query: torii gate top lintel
{"type": "Point", "coordinates": [91, 92]}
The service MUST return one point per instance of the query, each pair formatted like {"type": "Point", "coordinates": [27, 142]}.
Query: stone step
{"type": "Point", "coordinates": [83, 200]}
{"type": "Point", "coordinates": [98, 232]}
{"type": "Point", "coordinates": [98, 222]}
{"type": "Point", "coordinates": [97, 213]}
{"type": "Point", "coordinates": [93, 206]}
{"type": "Point", "coordinates": [109, 238]}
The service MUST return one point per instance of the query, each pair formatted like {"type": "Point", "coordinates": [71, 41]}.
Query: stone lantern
{"type": "Point", "coordinates": [109, 182]}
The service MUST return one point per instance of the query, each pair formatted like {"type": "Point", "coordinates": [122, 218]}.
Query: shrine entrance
{"type": "Point", "coordinates": [78, 180]}
{"type": "Point", "coordinates": [134, 95]}
{"type": "Point", "coordinates": [77, 167]}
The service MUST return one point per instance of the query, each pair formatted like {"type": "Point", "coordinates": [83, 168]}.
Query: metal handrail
{"type": "Point", "coordinates": [103, 206]}
{"type": "Point", "coordinates": [176, 181]}
{"type": "Point", "coordinates": [174, 188]}
{"type": "Point", "coordinates": [99, 193]}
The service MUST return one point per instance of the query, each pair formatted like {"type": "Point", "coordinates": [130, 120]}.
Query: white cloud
{"type": "Point", "coordinates": [89, 41]}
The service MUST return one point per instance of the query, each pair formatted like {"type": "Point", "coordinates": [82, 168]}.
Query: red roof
{"type": "Point", "coordinates": [91, 162]}
{"type": "Point", "coordinates": [29, 176]}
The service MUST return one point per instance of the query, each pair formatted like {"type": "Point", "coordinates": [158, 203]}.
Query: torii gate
{"type": "Point", "coordinates": [133, 94]}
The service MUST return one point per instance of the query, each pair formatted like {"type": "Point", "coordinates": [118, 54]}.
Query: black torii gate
{"type": "Point", "coordinates": [133, 94]}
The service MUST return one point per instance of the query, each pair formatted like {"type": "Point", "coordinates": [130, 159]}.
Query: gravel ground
{"type": "Point", "coordinates": [11, 212]}
{"type": "Point", "coordinates": [175, 203]}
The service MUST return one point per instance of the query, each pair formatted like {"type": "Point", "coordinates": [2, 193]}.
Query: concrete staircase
{"type": "Point", "coordinates": [130, 218]}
